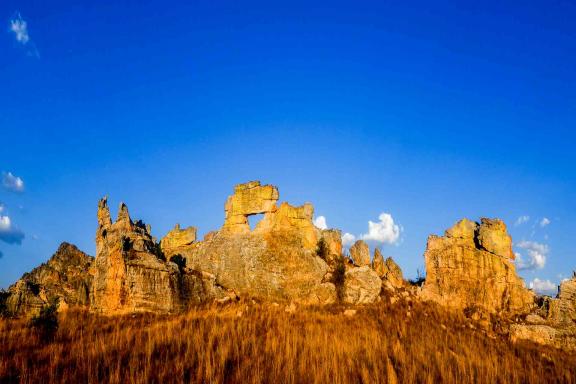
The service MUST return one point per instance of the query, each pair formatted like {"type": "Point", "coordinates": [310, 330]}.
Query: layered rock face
{"type": "Point", "coordinates": [471, 267]}
{"type": "Point", "coordinates": [131, 274]}
{"type": "Point", "coordinates": [64, 281]}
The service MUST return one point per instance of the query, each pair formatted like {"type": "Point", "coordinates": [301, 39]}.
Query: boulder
{"type": "Point", "coordinates": [361, 285]}
{"type": "Point", "coordinates": [64, 281]}
{"type": "Point", "coordinates": [360, 253]}
{"type": "Point", "coordinates": [471, 266]}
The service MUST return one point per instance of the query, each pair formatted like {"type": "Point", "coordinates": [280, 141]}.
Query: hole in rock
{"type": "Point", "coordinates": [253, 220]}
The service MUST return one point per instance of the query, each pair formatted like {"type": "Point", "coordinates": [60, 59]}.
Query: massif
{"type": "Point", "coordinates": [286, 258]}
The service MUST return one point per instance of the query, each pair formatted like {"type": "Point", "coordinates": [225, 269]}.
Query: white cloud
{"type": "Point", "coordinates": [12, 183]}
{"type": "Point", "coordinates": [9, 233]}
{"type": "Point", "coordinates": [320, 222]}
{"type": "Point", "coordinates": [543, 286]}
{"type": "Point", "coordinates": [537, 254]}
{"type": "Point", "coordinates": [20, 28]}
{"type": "Point", "coordinates": [544, 222]}
{"type": "Point", "coordinates": [348, 239]}
{"type": "Point", "coordinates": [522, 220]}
{"type": "Point", "coordinates": [383, 231]}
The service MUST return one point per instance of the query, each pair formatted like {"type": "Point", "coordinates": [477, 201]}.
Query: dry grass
{"type": "Point", "coordinates": [380, 343]}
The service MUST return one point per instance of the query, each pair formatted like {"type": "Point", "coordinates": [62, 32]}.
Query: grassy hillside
{"type": "Point", "coordinates": [254, 343]}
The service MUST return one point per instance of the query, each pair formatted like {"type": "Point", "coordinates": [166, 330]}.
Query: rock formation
{"type": "Point", "coordinates": [554, 321]}
{"type": "Point", "coordinates": [131, 273]}
{"type": "Point", "coordinates": [471, 267]}
{"type": "Point", "coordinates": [360, 253]}
{"type": "Point", "coordinates": [178, 238]}
{"type": "Point", "coordinates": [286, 258]}
{"type": "Point", "coordinates": [277, 260]}
{"type": "Point", "coordinates": [361, 285]}
{"type": "Point", "coordinates": [248, 199]}
{"type": "Point", "coordinates": [388, 271]}
{"type": "Point", "coordinates": [64, 281]}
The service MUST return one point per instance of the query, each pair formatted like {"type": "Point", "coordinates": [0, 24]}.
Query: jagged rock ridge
{"type": "Point", "coordinates": [64, 280]}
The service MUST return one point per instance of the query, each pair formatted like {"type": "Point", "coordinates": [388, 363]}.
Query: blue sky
{"type": "Point", "coordinates": [426, 112]}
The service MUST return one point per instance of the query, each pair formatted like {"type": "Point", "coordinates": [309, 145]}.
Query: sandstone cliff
{"type": "Point", "coordinates": [132, 274]}
{"type": "Point", "coordinates": [64, 280]}
{"type": "Point", "coordinates": [471, 267]}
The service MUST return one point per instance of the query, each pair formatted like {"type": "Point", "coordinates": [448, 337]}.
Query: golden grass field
{"type": "Point", "coordinates": [262, 343]}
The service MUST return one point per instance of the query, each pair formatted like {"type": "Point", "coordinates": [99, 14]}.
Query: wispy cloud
{"type": "Point", "coordinates": [545, 222]}
{"type": "Point", "coordinates": [522, 220]}
{"type": "Point", "coordinates": [537, 254]}
{"type": "Point", "coordinates": [12, 183]}
{"type": "Point", "coordinates": [8, 232]}
{"type": "Point", "coordinates": [543, 286]}
{"type": "Point", "coordinates": [384, 231]}
{"type": "Point", "coordinates": [320, 222]}
{"type": "Point", "coordinates": [19, 27]}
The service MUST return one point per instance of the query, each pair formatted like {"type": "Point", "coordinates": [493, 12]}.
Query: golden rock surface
{"type": "Point", "coordinates": [471, 267]}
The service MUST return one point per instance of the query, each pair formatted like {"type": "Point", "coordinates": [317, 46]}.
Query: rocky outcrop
{"type": "Point", "coordinates": [278, 259]}
{"type": "Point", "coordinates": [132, 274]}
{"type": "Point", "coordinates": [64, 280]}
{"type": "Point", "coordinates": [248, 199]}
{"type": "Point", "coordinates": [471, 267]}
{"type": "Point", "coordinates": [333, 241]}
{"type": "Point", "coordinates": [178, 238]}
{"type": "Point", "coordinates": [563, 309]}
{"type": "Point", "coordinates": [360, 253]}
{"type": "Point", "coordinates": [388, 271]}
{"type": "Point", "coordinates": [553, 322]}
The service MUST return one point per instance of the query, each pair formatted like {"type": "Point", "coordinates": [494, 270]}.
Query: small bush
{"type": "Point", "coordinates": [46, 323]}
{"type": "Point", "coordinates": [3, 307]}
{"type": "Point", "coordinates": [419, 280]}
{"type": "Point", "coordinates": [322, 249]}
{"type": "Point", "coordinates": [339, 278]}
